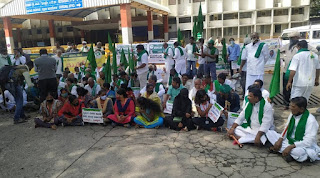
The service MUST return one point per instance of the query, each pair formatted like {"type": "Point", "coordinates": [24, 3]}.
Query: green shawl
{"type": "Point", "coordinates": [216, 86]}
{"type": "Point", "coordinates": [9, 61]}
{"type": "Point", "coordinates": [300, 130]}
{"type": "Point", "coordinates": [258, 52]}
{"type": "Point", "coordinates": [287, 74]}
{"type": "Point", "coordinates": [167, 50]}
{"type": "Point", "coordinates": [248, 113]}
{"type": "Point", "coordinates": [140, 54]}
{"type": "Point", "coordinates": [181, 51]}
{"type": "Point", "coordinates": [170, 78]}
{"type": "Point", "coordinates": [239, 59]}
{"type": "Point", "coordinates": [157, 88]}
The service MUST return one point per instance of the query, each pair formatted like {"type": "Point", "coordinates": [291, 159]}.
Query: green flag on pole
{"type": "Point", "coordinates": [107, 70]}
{"type": "Point", "coordinates": [180, 37]}
{"type": "Point", "coordinates": [131, 62]}
{"type": "Point", "coordinates": [224, 51]}
{"type": "Point", "coordinates": [123, 60]}
{"type": "Point", "coordinates": [114, 61]}
{"type": "Point", "coordinates": [92, 60]}
{"type": "Point", "coordinates": [194, 30]}
{"type": "Point", "coordinates": [110, 43]}
{"type": "Point", "coordinates": [275, 81]}
{"type": "Point", "coordinates": [200, 20]}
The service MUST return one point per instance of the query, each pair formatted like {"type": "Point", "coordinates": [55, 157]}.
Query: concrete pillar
{"type": "Point", "coordinates": [166, 27]}
{"type": "Point", "coordinates": [150, 25]}
{"type": "Point", "coordinates": [126, 25]}
{"type": "Point", "coordinates": [8, 34]}
{"type": "Point", "coordinates": [82, 35]}
{"type": "Point", "coordinates": [19, 37]}
{"type": "Point", "coordinates": [52, 33]}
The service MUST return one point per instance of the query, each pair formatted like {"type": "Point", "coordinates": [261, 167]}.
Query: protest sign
{"type": "Point", "coordinates": [169, 107]}
{"type": "Point", "coordinates": [214, 112]}
{"type": "Point", "coordinates": [232, 116]}
{"type": "Point", "coordinates": [92, 115]}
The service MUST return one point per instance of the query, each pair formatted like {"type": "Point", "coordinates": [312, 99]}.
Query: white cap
{"type": "Point", "coordinates": [84, 42]}
{"type": "Point", "coordinates": [294, 34]}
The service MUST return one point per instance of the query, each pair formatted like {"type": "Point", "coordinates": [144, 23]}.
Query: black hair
{"type": "Point", "coordinates": [185, 75]}
{"type": "Point", "coordinates": [201, 40]}
{"type": "Point", "coordinates": [173, 69]}
{"type": "Point", "coordinates": [141, 47]}
{"type": "Point", "coordinates": [133, 74]}
{"type": "Point", "coordinates": [85, 79]}
{"type": "Point", "coordinates": [124, 86]}
{"type": "Point", "coordinates": [153, 77]}
{"type": "Point", "coordinates": [81, 91]}
{"type": "Point", "coordinates": [300, 101]}
{"type": "Point", "coordinates": [70, 80]}
{"type": "Point", "coordinates": [106, 85]}
{"type": "Point", "coordinates": [231, 39]}
{"type": "Point", "coordinates": [177, 80]}
{"type": "Point", "coordinates": [260, 82]}
{"type": "Point", "coordinates": [122, 92]}
{"type": "Point", "coordinates": [191, 38]}
{"type": "Point", "coordinates": [149, 85]}
{"type": "Point", "coordinates": [72, 98]}
{"type": "Point", "coordinates": [199, 95]}
{"type": "Point", "coordinates": [122, 73]}
{"type": "Point", "coordinates": [30, 63]}
{"type": "Point", "coordinates": [63, 89]}
{"type": "Point", "coordinates": [43, 51]}
{"type": "Point", "coordinates": [223, 76]}
{"type": "Point", "coordinates": [150, 104]}
{"type": "Point", "coordinates": [255, 90]}
{"type": "Point", "coordinates": [115, 75]}
{"type": "Point", "coordinates": [176, 43]}
{"type": "Point", "coordinates": [302, 44]}
{"type": "Point", "coordinates": [101, 91]}
{"type": "Point", "coordinates": [199, 75]}
{"type": "Point", "coordinates": [3, 50]}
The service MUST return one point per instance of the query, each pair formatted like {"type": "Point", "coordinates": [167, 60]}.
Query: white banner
{"type": "Point", "coordinates": [92, 115]}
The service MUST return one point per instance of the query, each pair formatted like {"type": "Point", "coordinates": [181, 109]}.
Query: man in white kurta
{"type": "Point", "coordinates": [300, 150]}
{"type": "Point", "coordinates": [255, 65]}
{"type": "Point", "coordinates": [142, 65]}
{"type": "Point", "coordinates": [255, 131]}
{"type": "Point", "coordinates": [169, 62]}
{"type": "Point", "coordinates": [180, 59]}
{"type": "Point", "coordinates": [92, 87]}
{"type": "Point", "coordinates": [304, 71]}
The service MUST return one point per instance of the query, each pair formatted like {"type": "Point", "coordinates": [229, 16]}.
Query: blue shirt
{"type": "Point", "coordinates": [234, 52]}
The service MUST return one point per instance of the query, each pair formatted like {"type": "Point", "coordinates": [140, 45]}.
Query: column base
{"type": "Point", "coordinates": [150, 35]}
{"type": "Point", "coordinates": [166, 36]}
{"type": "Point", "coordinates": [127, 35]}
{"type": "Point", "coordinates": [52, 41]}
{"type": "Point", "coordinates": [10, 44]}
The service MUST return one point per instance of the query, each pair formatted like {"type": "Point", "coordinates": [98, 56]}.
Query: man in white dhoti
{"type": "Point", "coordinates": [304, 71]}
{"type": "Point", "coordinates": [256, 54]}
{"type": "Point", "coordinates": [254, 121]}
{"type": "Point", "coordinates": [180, 59]}
{"type": "Point", "coordinates": [298, 141]}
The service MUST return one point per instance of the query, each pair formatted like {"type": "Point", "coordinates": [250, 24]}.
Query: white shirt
{"type": "Point", "coordinates": [243, 58]}
{"type": "Point", "coordinates": [188, 85]}
{"type": "Point", "coordinates": [202, 60]}
{"type": "Point", "coordinates": [229, 82]}
{"type": "Point", "coordinates": [85, 49]}
{"type": "Point", "coordinates": [59, 65]}
{"type": "Point", "coordinates": [255, 66]}
{"type": "Point", "coordinates": [19, 61]}
{"type": "Point", "coordinates": [158, 73]}
{"type": "Point", "coordinates": [161, 92]}
{"type": "Point", "coordinates": [267, 120]}
{"type": "Point", "coordinates": [192, 94]}
{"type": "Point", "coordinates": [305, 67]}
{"type": "Point", "coordinates": [190, 55]}
{"type": "Point", "coordinates": [311, 132]}
{"type": "Point", "coordinates": [74, 90]}
{"type": "Point", "coordinates": [98, 88]}
{"type": "Point", "coordinates": [177, 55]}
{"type": "Point", "coordinates": [169, 59]}
{"type": "Point", "coordinates": [60, 86]}
{"type": "Point", "coordinates": [144, 60]}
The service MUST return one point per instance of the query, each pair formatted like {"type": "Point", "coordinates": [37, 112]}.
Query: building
{"type": "Point", "coordinates": [28, 23]}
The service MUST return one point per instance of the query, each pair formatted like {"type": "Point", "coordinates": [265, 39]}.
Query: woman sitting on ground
{"type": "Point", "coordinates": [71, 112]}
{"type": "Point", "coordinates": [49, 113]}
{"type": "Point", "coordinates": [124, 110]}
{"type": "Point", "coordinates": [150, 113]}
{"type": "Point", "coordinates": [63, 98]}
{"type": "Point", "coordinates": [181, 117]}
{"type": "Point", "coordinates": [203, 105]}
{"type": "Point", "coordinates": [84, 96]}
{"type": "Point", "coordinates": [105, 104]}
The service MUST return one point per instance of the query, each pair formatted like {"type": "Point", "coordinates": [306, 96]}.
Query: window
{"type": "Point", "coordinates": [296, 11]}
{"type": "Point", "coordinates": [277, 28]}
{"type": "Point", "coordinates": [172, 21]}
{"type": "Point", "coordinates": [245, 15]}
{"type": "Point", "coordinates": [60, 29]}
{"type": "Point", "coordinates": [69, 29]}
{"type": "Point", "coordinates": [316, 34]}
{"type": "Point", "coordinates": [185, 20]}
{"type": "Point", "coordinates": [264, 13]}
{"type": "Point", "coordinates": [172, 2]}
{"type": "Point", "coordinates": [195, 18]}
{"type": "Point", "coordinates": [245, 30]}
{"type": "Point", "coordinates": [198, 1]}
{"type": "Point", "coordinates": [230, 16]}
{"type": "Point", "coordinates": [215, 17]}
{"type": "Point", "coordinates": [39, 31]}
{"type": "Point", "coordinates": [304, 35]}
{"type": "Point", "coordinates": [47, 30]}
{"type": "Point", "coordinates": [280, 12]}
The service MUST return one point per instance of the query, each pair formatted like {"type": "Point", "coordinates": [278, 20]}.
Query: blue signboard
{"type": "Point", "coordinates": [39, 6]}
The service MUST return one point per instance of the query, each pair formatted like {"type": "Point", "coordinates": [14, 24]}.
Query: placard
{"type": "Point", "coordinates": [214, 112]}
{"type": "Point", "coordinates": [169, 107]}
{"type": "Point", "coordinates": [232, 116]}
{"type": "Point", "coordinates": [92, 115]}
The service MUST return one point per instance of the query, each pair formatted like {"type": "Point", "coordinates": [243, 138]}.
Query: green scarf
{"type": "Point", "coordinates": [300, 130]}
{"type": "Point", "coordinates": [149, 73]}
{"type": "Point", "coordinates": [79, 76]}
{"type": "Point", "coordinates": [140, 54]}
{"type": "Point", "coordinates": [93, 92]}
{"type": "Point", "coordinates": [157, 87]}
{"type": "Point", "coordinates": [213, 50]}
{"type": "Point", "coordinates": [170, 78]}
{"type": "Point", "coordinates": [132, 83]}
{"type": "Point", "coordinates": [248, 113]}
{"type": "Point", "coordinates": [239, 59]}
{"type": "Point", "coordinates": [258, 52]}
{"type": "Point", "coordinates": [70, 87]}
{"type": "Point", "coordinates": [287, 74]}
{"type": "Point", "coordinates": [61, 64]}
{"type": "Point", "coordinates": [181, 51]}
{"type": "Point", "coordinates": [9, 61]}
{"type": "Point", "coordinates": [216, 86]}
{"type": "Point", "coordinates": [194, 48]}
{"type": "Point", "coordinates": [167, 50]}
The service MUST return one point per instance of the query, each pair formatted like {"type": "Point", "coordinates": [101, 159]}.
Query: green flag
{"type": "Point", "coordinates": [92, 59]}
{"type": "Point", "coordinates": [110, 43]}
{"type": "Point", "coordinates": [200, 20]}
{"type": "Point", "coordinates": [108, 70]}
{"type": "Point", "coordinates": [123, 60]}
{"type": "Point", "coordinates": [180, 37]}
{"type": "Point", "coordinates": [114, 62]}
{"type": "Point", "coordinates": [275, 81]}
{"type": "Point", "coordinates": [194, 30]}
{"type": "Point", "coordinates": [131, 62]}
{"type": "Point", "coordinates": [224, 51]}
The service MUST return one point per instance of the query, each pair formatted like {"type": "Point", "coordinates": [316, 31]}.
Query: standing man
{"type": "Point", "coordinates": [142, 65]}
{"type": "Point", "coordinates": [180, 60]}
{"type": "Point", "coordinates": [191, 49]}
{"type": "Point", "coordinates": [27, 56]}
{"type": "Point", "coordinates": [211, 55]}
{"type": "Point", "coordinates": [168, 55]}
{"type": "Point", "coordinates": [4, 58]}
{"type": "Point", "coordinates": [59, 61]}
{"type": "Point", "coordinates": [46, 67]}
{"type": "Point", "coordinates": [58, 47]}
{"type": "Point", "coordinates": [18, 59]}
{"type": "Point", "coordinates": [201, 60]}
{"type": "Point", "coordinates": [243, 67]}
{"type": "Point", "coordinates": [233, 55]}
{"type": "Point", "coordinates": [304, 71]}
{"type": "Point", "coordinates": [255, 55]}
